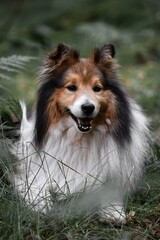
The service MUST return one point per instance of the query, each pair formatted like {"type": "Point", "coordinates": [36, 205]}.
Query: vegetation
{"type": "Point", "coordinates": [28, 30]}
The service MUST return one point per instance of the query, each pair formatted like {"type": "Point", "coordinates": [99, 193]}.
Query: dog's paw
{"type": "Point", "coordinates": [112, 214]}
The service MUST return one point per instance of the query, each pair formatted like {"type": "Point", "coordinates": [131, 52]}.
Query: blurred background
{"type": "Point", "coordinates": [29, 29]}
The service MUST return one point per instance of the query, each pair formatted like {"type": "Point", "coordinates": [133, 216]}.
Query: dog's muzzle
{"type": "Point", "coordinates": [84, 122]}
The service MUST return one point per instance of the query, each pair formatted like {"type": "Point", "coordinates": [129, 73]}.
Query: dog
{"type": "Point", "coordinates": [86, 134]}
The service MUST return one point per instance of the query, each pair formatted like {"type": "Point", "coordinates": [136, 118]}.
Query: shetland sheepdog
{"type": "Point", "coordinates": [86, 134]}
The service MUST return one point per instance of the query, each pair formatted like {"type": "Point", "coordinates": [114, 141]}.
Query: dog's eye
{"type": "Point", "coordinates": [97, 89]}
{"type": "Point", "coordinates": [72, 88]}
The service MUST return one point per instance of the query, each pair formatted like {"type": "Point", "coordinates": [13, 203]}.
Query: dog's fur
{"type": "Point", "coordinates": [86, 134]}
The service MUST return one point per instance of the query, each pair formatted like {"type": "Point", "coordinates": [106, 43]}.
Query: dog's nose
{"type": "Point", "coordinates": [88, 108]}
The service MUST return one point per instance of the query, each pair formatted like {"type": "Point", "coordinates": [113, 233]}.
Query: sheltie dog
{"type": "Point", "coordinates": [86, 135]}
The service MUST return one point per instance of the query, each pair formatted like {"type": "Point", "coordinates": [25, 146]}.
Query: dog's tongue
{"type": "Point", "coordinates": [84, 124]}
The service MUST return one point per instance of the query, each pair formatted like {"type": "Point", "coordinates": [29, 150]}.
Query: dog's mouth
{"type": "Point", "coordinates": [83, 124]}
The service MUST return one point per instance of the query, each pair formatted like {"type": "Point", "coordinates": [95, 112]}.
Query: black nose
{"type": "Point", "coordinates": [88, 108]}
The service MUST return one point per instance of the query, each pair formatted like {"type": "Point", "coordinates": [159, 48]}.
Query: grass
{"type": "Point", "coordinates": [17, 222]}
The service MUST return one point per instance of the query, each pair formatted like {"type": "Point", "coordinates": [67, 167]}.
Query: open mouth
{"type": "Point", "coordinates": [83, 124]}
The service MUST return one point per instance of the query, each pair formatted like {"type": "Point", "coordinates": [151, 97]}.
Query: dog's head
{"type": "Point", "coordinates": [85, 90]}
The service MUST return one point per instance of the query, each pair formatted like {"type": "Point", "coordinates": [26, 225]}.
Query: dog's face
{"type": "Point", "coordinates": [80, 97]}
{"type": "Point", "coordinates": [83, 96]}
{"type": "Point", "coordinates": [82, 90]}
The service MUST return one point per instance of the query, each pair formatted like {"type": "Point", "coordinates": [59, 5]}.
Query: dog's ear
{"type": "Point", "coordinates": [60, 58]}
{"type": "Point", "coordinates": [104, 55]}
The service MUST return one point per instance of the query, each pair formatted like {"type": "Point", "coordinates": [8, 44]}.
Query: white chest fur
{"type": "Point", "coordinates": [67, 164]}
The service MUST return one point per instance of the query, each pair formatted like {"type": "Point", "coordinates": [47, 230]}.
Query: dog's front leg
{"type": "Point", "coordinates": [112, 206]}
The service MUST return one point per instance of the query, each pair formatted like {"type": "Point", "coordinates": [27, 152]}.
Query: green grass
{"type": "Point", "coordinates": [17, 222]}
